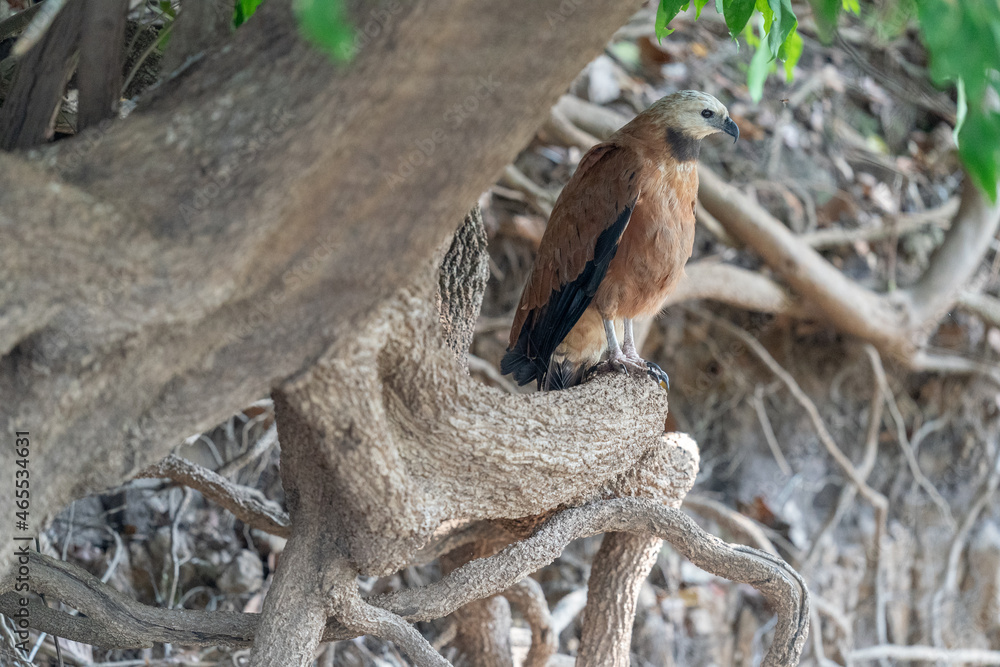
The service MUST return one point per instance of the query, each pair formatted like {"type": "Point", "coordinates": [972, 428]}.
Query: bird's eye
{"type": "Point", "coordinates": [707, 113]}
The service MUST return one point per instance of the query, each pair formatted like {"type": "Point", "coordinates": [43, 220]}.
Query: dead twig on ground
{"type": "Point", "coordinates": [765, 424]}
{"type": "Point", "coordinates": [175, 543]}
{"type": "Point", "coordinates": [903, 223]}
{"type": "Point", "coordinates": [865, 468]}
{"type": "Point", "coordinates": [904, 442]}
{"type": "Point", "coordinates": [870, 494]}
{"type": "Point", "coordinates": [942, 618]}
{"type": "Point", "coordinates": [925, 654]}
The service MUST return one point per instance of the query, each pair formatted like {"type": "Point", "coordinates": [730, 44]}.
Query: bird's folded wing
{"type": "Point", "coordinates": [579, 243]}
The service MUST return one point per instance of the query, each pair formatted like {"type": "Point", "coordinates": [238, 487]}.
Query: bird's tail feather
{"type": "Point", "coordinates": [522, 365]}
{"type": "Point", "coordinates": [556, 372]}
{"type": "Point", "coordinates": [562, 374]}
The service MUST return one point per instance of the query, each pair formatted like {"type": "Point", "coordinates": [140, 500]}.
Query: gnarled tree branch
{"type": "Point", "coordinates": [181, 274]}
{"type": "Point", "coordinates": [783, 589]}
{"type": "Point", "coordinates": [527, 596]}
{"type": "Point", "coordinates": [619, 569]}
{"type": "Point", "coordinates": [247, 504]}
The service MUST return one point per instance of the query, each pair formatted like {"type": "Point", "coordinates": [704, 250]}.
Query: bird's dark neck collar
{"type": "Point", "coordinates": [683, 147]}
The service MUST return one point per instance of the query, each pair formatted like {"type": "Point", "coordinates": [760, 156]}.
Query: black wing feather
{"type": "Point", "coordinates": [545, 328]}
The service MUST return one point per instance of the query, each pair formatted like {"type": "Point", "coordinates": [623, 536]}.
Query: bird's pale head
{"type": "Point", "coordinates": [693, 114]}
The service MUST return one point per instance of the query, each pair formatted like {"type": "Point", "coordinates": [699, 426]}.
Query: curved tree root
{"type": "Point", "coordinates": [780, 585]}
{"type": "Point", "coordinates": [315, 581]}
{"type": "Point", "coordinates": [114, 620]}
{"type": "Point", "coordinates": [527, 596]}
{"type": "Point", "coordinates": [482, 627]}
{"type": "Point", "coordinates": [619, 569]}
{"type": "Point", "coordinates": [385, 439]}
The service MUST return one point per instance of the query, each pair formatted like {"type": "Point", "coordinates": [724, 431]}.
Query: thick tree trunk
{"type": "Point", "coordinates": [158, 275]}
{"type": "Point", "coordinates": [270, 221]}
{"type": "Point", "coordinates": [385, 437]}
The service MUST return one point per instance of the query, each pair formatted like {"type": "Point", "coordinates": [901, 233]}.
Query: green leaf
{"type": "Point", "coordinates": [963, 39]}
{"type": "Point", "coordinates": [665, 13]}
{"type": "Point", "coordinates": [765, 10]}
{"type": "Point", "coordinates": [979, 148]}
{"type": "Point", "coordinates": [852, 6]}
{"type": "Point", "coordinates": [324, 23]}
{"type": "Point", "coordinates": [790, 52]}
{"type": "Point", "coordinates": [825, 12]}
{"type": "Point", "coordinates": [760, 65]}
{"type": "Point", "coordinates": [737, 13]}
{"type": "Point", "coordinates": [244, 10]}
{"type": "Point", "coordinates": [698, 6]}
{"type": "Point", "coordinates": [782, 26]}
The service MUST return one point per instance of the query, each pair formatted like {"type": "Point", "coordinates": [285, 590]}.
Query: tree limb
{"type": "Point", "coordinates": [712, 280]}
{"type": "Point", "coordinates": [985, 307]}
{"type": "Point", "coordinates": [783, 589]}
{"type": "Point", "coordinates": [527, 596]}
{"type": "Point", "coordinates": [847, 305]}
{"type": "Point", "coordinates": [247, 504]}
{"type": "Point", "coordinates": [40, 79]}
{"type": "Point", "coordinates": [181, 273]}
{"type": "Point", "coordinates": [900, 224]}
{"type": "Point", "coordinates": [115, 620]}
{"type": "Point", "coordinates": [956, 260]}
{"type": "Point", "coordinates": [925, 654]}
{"type": "Point", "coordinates": [619, 569]}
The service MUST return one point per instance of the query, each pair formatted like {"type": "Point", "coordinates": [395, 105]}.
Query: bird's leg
{"type": "Point", "coordinates": [632, 356]}
{"type": "Point", "coordinates": [616, 358]}
{"type": "Point", "coordinates": [628, 345]}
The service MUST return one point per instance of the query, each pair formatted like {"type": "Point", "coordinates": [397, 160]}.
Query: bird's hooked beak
{"type": "Point", "coordinates": [732, 129]}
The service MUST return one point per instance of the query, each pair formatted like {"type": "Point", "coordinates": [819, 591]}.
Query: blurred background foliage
{"type": "Point", "coordinates": [962, 38]}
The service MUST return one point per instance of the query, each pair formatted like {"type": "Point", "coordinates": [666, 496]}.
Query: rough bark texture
{"type": "Point", "coordinates": [99, 76]}
{"type": "Point", "coordinates": [482, 636]}
{"type": "Point", "coordinates": [371, 473]}
{"type": "Point", "coordinates": [527, 596]}
{"type": "Point", "coordinates": [462, 280]}
{"type": "Point", "coordinates": [256, 209]}
{"type": "Point", "coordinates": [199, 27]}
{"type": "Point", "coordinates": [174, 273]}
{"type": "Point", "coordinates": [27, 114]}
{"type": "Point", "coordinates": [248, 505]}
{"type": "Point", "coordinates": [622, 563]}
{"type": "Point", "coordinates": [405, 392]}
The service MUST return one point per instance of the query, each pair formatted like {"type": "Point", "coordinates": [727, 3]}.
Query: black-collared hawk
{"type": "Point", "coordinates": [615, 245]}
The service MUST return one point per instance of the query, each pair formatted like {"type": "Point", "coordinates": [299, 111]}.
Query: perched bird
{"type": "Point", "coordinates": [615, 245]}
